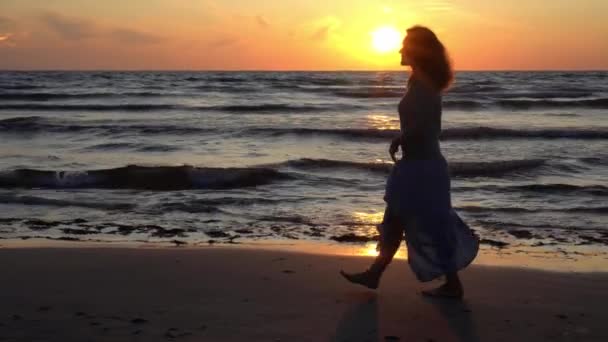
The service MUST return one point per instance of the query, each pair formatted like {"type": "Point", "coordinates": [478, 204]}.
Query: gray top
{"type": "Point", "coordinates": [420, 116]}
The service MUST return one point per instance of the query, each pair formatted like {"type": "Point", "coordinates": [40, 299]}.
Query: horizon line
{"type": "Point", "coordinates": [293, 70]}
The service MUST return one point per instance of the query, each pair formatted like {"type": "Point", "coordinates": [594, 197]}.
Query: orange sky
{"type": "Point", "coordinates": [296, 35]}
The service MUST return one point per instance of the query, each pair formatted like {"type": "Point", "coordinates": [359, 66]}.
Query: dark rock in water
{"type": "Point", "coordinates": [540, 244]}
{"type": "Point", "coordinates": [73, 231]}
{"type": "Point", "coordinates": [123, 229]}
{"type": "Point", "coordinates": [79, 221]}
{"type": "Point", "coordinates": [290, 236]}
{"type": "Point", "coordinates": [211, 242]}
{"type": "Point", "coordinates": [65, 238]}
{"type": "Point", "coordinates": [36, 224]}
{"type": "Point", "coordinates": [244, 231]}
{"type": "Point", "coordinates": [494, 243]}
{"type": "Point", "coordinates": [354, 238]}
{"type": "Point", "coordinates": [593, 239]}
{"type": "Point", "coordinates": [521, 234]}
{"type": "Point", "coordinates": [217, 234]}
{"type": "Point", "coordinates": [168, 233]}
{"type": "Point", "coordinates": [178, 243]}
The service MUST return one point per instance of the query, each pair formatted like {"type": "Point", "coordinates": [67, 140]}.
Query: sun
{"type": "Point", "coordinates": [386, 39]}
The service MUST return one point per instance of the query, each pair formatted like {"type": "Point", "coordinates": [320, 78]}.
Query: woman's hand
{"type": "Point", "coordinates": [394, 148]}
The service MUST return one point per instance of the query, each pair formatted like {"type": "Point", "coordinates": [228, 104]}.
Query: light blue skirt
{"type": "Point", "coordinates": [418, 196]}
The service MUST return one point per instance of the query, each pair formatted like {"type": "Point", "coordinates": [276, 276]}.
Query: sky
{"type": "Point", "coordinates": [297, 34]}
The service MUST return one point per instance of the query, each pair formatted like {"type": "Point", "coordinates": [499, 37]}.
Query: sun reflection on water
{"type": "Point", "coordinates": [382, 122]}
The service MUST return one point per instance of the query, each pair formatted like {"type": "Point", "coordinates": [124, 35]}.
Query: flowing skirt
{"type": "Point", "coordinates": [418, 197]}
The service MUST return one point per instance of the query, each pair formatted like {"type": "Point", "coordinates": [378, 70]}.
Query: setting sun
{"type": "Point", "coordinates": [386, 39]}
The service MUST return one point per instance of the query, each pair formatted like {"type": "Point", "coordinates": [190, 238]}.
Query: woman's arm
{"type": "Point", "coordinates": [394, 148]}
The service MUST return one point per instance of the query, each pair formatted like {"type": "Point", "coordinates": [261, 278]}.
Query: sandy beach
{"type": "Point", "coordinates": [240, 294]}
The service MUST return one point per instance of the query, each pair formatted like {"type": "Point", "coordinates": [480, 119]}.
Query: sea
{"type": "Point", "coordinates": [234, 157]}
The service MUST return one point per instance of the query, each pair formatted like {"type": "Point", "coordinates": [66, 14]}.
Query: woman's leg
{"type": "Point", "coordinates": [390, 240]}
{"type": "Point", "coordinates": [452, 288]}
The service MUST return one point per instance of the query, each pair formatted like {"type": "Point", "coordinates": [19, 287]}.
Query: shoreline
{"type": "Point", "coordinates": [581, 259]}
{"type": "Point", "coordinates": [237, 294]}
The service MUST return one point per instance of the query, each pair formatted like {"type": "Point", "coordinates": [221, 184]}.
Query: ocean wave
{"type": "Point", "coordinates": [595, 160]}
{"type": "Point", "coordinates": [19, 86]}
{"type": "Point", "coordinates": [34, 124]}
{"type": "Point", "coordinates": [457, 169]}
{"type": "Point", "coordinates": [555, 188]}
{"type": "Point", "coordinates": [493, 168]}
{"type": "Point", "coordinates": [591, 210]}
{"type": "Point", "coordinates": [371, 93]}
{"type": "Point", "coordinates": [340, 132]}
{"type": "Point", "coordinates": [91, 107]}
{"type": "Point", "coordinates": [307, 163]}
{"type": "Point", "coordinates": [463, 104]}
{"type": "Point", "coordinates": [599, 103]}
{"type": "Point", "coordinates": [480, 132]}
{"type": "Point", "coordinates": [143, 177]}
{"type": "Point", "coordinates": [523, 103]}
{"type": "Point", "coordinates": [557, 94]}
{"type": "Point", "coordinates": [42, 201]}
{"type": "Point", "coordinates": [269, 107]}
{"type": "Point", "coordinates": [62, 96]}
{"type": "Point", "coordinates": [140, 147]}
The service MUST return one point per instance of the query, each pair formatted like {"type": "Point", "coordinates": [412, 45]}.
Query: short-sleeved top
{"type": "Point", "coordinates": [420, 116]}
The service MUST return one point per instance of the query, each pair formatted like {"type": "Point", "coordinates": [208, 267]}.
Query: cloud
{"type": "Point", "coordinates": [69, 28]}
{"type": "Point", "coordinates": [130, 36]}
{"type": "Point", "coordinates": [262, 21]}
{"type": "Point", "coordinates": [7, 40]}
{"type": "Point", "coordinates": [439, 6]}
{"type": "Point", "coordinates": [321, 34]}
{"type": "Point", "coordinates": [327, 26]}
{"type": "Point", "coordinates": [6, 24]}
{"type": "Point", "coordinates": [223, 42]}
{"type": "Point", "coordinates": [7, 27]}
{"type": "Point", "coordinates": [73, 28]}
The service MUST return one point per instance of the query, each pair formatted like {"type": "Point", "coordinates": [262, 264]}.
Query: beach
{"type": "Point", "coordinates": [220, 206]}
{"type": "Point", "coordinates": [254, 294]}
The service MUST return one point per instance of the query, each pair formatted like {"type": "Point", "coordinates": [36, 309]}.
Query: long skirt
{"type": "Point", "coordinates": [418, 198]}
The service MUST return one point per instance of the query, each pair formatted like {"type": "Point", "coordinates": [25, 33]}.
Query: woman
{"type": "Point", "coordinates": [417, 194]}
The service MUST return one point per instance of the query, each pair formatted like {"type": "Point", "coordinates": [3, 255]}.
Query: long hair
{"type": "Point", "coordinates": [429, 56]}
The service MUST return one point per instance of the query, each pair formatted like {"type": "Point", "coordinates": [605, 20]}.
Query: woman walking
{"type": "Point", "coordinates": [417, 194]}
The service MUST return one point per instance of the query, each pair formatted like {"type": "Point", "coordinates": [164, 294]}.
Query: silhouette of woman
{"type": "Point", "coordinates": [418, 202]}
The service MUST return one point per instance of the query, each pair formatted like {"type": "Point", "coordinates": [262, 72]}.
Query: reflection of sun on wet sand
{"type": "Point", "coordinates": [250, 294]}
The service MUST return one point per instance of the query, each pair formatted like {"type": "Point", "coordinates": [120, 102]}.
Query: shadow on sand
{"type": "Point", "coordinates": [360, 322]}
{"type": "Point", "coordinates": [458, 315]}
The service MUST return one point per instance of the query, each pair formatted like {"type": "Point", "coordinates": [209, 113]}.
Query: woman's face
{"type": "Point", "coordinates": [405, 59]}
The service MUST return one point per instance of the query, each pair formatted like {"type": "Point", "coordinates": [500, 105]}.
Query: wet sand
{"type": "Point", "coordinates": [241, 294]}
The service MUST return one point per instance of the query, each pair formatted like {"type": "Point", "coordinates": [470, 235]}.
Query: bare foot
{"type": "Point", "coordinates": [366, 279]}
{"type": "Point", "coordinates": [445, 291]}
